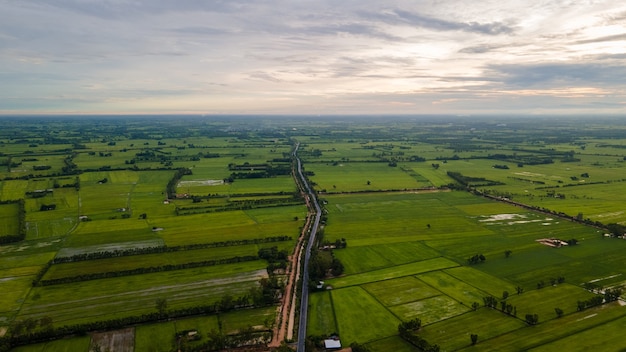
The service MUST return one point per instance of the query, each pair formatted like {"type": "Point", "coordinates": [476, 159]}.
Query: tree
{"type": "Point", "coordinates": [226, 303]}
{"type": "Point", "coordinates": [505, 294]}
{"type": "Point", "coordinates": [161, 306]}
{"type": "Point", "coordinates": [475, 306]}
{"type": "Point", "coordinates": [357, 347]}
{"type": "Point", "coordinates": [507, 253]}
{"type": "Point", "coordinates": [532, 319]}
{"type": "Point", "coordinates": [616, 229]}
{"type": "Point", "coordinates": [612, 294]}
{"type": "Point", "coordinates": [369, 182]}
{"type": "Point", "coordinates": [411, 325]}
{"type": "Point", "coordinates": [519, 290]}
{"type": "Point", "coordinates": [336, 267]}
{"type": "Point", "coordinates": [490, 301]}
{"type": "Point", "coordinates": [559, 312]}
{"type": "Point", "coordinates": [474, 338]}
{"type": "Point", "coordinates": [509, 309]}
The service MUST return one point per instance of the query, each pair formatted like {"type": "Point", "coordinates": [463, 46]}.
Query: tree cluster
{"type": "Point", "coordinates": [323, 264]}
{"type": "Point", "coordinates": [276, 259]}
{"type": "Point", "coordinates": [407, 331]}
{"type": "Point", "coordinates": [532, 319]}
{"type": "Point", "coordinates": [173, 182]}
{"type": "Point", "coordinates": [476, 258]}
{"type": "Point", "coordinates": [468, 181]}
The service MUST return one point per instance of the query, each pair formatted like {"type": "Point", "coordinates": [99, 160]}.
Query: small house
{"type": "Point", "coordinates": [332, 344]}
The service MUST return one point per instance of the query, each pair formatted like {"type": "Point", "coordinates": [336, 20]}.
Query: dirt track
{"type": "Point", "coordinates": [286, 311]}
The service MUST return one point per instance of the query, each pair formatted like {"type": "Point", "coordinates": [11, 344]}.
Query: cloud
{"type": "Point", "coordinates": [559, 74]}
{"type": "Point", "coordinates": [281, 55]}
{"type": "Point", "coordinates": [403, 17]}
{"type": "Point", "coordinates": [265, 76]}
{"type": "Point", "coordinates": [356, 29]}
{"type": "Point", "coordinates": [200, 30]}
{"type": "Point", "coordinates": [608, 38]}
{"type": "Point", "coordinates": [121, 9]}
{"type": "Point", "coordinates": [479, 49]}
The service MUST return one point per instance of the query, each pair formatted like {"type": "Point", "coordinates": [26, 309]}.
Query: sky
{"type": "Point", "coordinates": [312, 57]}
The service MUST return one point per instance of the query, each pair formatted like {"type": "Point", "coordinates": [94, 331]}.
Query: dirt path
{"type": "Point", "coordinates": [285, 316]}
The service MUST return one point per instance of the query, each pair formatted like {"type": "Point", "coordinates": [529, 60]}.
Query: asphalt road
{"type": "Point", "coordinates": [304, 301]}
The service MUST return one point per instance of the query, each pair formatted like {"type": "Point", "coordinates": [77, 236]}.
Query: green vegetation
{"type": "Point", "coordinates": [105, 217]}
{"type": "Point", "coordinates": [496, 234]}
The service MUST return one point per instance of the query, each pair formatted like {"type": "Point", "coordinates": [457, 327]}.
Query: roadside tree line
{"type": "Point", "coordinates": [165, 249]}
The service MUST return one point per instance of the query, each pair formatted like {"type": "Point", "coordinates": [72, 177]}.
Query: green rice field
{"type": "Point", "coordinates": [414, 200]}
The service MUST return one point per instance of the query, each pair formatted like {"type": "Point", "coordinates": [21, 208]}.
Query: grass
{"type": "Point", "coordinates": [13, 189]}
{"type": "Point", "coordinates": [393, 343]}
{"type": "Point", "coordinates": [454, 334]}
{"type": "Point", "coordinates": [543, 301]}
{"type": "Point", "coordinates": [353, 176]}
{"type": "Point", "coordinates": [155, 337]}
{"type": "Point", "coordinates": [401, 290]}
{"type": "Point", "coordinates": [108, 298]}
{"type": "Point", "coordinates": [483, 282]}
{"type": "Point", "coordinates": [43, 224]}
{"type": "Point", "coordinates": [551, 331]}
{"type": "Point", "coordinates": [430, 310]}
{"type": "Point", "coordinates": [367, 258]}
{"type": "Point", "coordinates": [65, 345]}
{"type": "Point", "coordinates": [360, 317]}
{"type": "Point", "coordinates": [605, 337]}
{"type": "Point", "coordinates": [9, 224]}
{"type": "Point", "coordinates": [322, 315]}
{"type": "Point", "coordinates": [152, 260]}
{"type": "Point", "coordinates": [235, 321]}
{"type": "Point", "coordinates": [202, 324]}
{"type": "Point", "coordinates": [26, 260]}
{"type": "Point", "coordinates": [14, 291]}
{"type": "Point", "coordinates": [374, 262]}
{"type": "Point", "coordinates": [407, 252]}
{"type": "Point", "coordinates": [392, 272]}
{"type": "Point", "coordinates": [460, 291]}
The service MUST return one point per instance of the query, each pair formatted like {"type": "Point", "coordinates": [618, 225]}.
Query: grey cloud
{"type": "Point", "coordinates": [560, 74]}
{"type": "Point", "coordinates": [478, 49]}
{"type": "Point", "coordinates": [265, 76]}
{"type": "Point", "coordinates": [111, 9]}
{"type": "Point", "coordinates": [349, 28]}
{"type": "Point", "coordinates": [608, 38]}
{"type": "Point", "coordinates": [397, 17]}
{"type": "Point", "coordinates": [200, 30]}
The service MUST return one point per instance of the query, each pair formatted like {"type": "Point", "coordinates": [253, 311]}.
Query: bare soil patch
{"type": "Point", "coordinates": [118, 340]}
